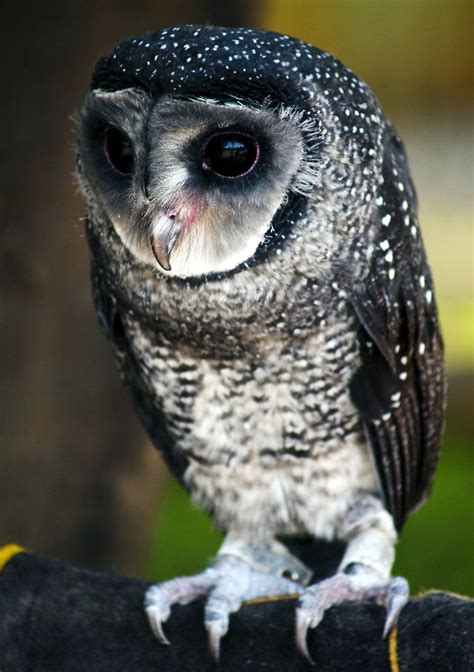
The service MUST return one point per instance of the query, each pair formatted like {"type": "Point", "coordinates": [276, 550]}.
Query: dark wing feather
{"type": "Point", "coordinates": [400, 388]}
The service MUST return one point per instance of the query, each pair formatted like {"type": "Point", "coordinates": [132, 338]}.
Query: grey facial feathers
{"type": "Point", "coordinates": [168, 212]}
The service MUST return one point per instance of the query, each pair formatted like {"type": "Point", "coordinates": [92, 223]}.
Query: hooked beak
{"type": "Point", "coordinates": [169, 226]}
{"type": "Point", "coordinates": [163, 240]}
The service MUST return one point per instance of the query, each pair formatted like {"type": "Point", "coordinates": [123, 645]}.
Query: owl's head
{"type": "Point", "coordinates": [195, 142]}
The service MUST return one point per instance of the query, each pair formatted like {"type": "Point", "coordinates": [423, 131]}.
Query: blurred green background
{"type": "Point", "coordinates": [78, 477]}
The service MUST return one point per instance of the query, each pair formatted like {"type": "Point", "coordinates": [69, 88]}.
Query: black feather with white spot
{"type": "Point", "coordinates": [400, 388]}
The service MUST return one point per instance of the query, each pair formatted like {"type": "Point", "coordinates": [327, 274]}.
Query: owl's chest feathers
{"type": "Point", "coordinates": [237, 317]}
{"type": "Point", "coordinates": [266, 413]}
{"type": "Point", "coordinates": [282, 399]}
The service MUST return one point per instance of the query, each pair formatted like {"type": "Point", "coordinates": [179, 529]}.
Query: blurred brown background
{"type": "Point", "coordinates": [78, 478]}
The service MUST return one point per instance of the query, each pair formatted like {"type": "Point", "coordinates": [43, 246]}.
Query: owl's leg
{"type": "Point", "coordinates": [240, 572]}
{"type": "Point", "coordinates": [364, 573]}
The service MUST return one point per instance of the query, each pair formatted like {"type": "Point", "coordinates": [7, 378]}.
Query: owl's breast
{"type": "Point", "coordinates": [276, 424]}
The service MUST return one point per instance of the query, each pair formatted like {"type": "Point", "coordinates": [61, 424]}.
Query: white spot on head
{"type": "Point", "coordinates": [386, 220]}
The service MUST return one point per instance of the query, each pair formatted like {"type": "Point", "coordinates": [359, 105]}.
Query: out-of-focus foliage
{"type": "Point", "coordinates": [185, 540]}
{"type": "Point", "coordinates": [437, 545]}
{"type": "Point", "coordinates": [408, 51]}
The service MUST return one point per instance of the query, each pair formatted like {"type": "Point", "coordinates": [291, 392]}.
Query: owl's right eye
{"type": "Point", "coordinates": [118, 149]}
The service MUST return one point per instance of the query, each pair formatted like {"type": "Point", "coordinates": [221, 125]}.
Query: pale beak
{"type": "Point", "coordinates": [163, 239]}
{"type": "Point", "coordinates": [170, 225]}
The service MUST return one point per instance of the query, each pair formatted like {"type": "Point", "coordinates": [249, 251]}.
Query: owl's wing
{"type": "Point", "coordinates": [400, 387]}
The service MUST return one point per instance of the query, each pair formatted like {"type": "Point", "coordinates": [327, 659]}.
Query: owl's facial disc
{"type": "Point", "coordinates": [190, 186]}
{"type": "Point", "coordinates": [221, 171]}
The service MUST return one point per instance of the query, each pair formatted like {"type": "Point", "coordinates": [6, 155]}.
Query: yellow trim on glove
{"type": "Point", "coordinates": [437, 591]}
{"type": "Point", "coordinates": [8, 552]}
{"type": "Point", "coordinates": [393, 651]}
{"type": "Point", "coordinates": [272, 598]}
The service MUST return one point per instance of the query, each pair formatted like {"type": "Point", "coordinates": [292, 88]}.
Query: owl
{"type": "Point", "coordinates": [258, 267]}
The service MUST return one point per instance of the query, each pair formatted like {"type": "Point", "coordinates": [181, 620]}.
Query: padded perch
{"type": "Point", "coordinates": [55, 617]}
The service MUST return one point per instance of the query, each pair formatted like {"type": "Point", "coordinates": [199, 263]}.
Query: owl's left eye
{"type": "Point", "coordinates": [118, 149]}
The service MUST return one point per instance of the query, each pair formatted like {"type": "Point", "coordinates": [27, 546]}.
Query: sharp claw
{"type": "Point", "coordinates": [215, 630]}
{"type": "Point", "coordinates": [398, 594]}
{"type": "Point", "coordinates": [392, 615]}
{"type": "Point", "coordinates": [156, 624]}
{"type": "Point", "coordinates": [303, 622]}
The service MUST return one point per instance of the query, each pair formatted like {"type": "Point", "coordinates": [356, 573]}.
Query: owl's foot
{"type": "Point", "coordinates": [357, 583]}
{"type": "Point", "coordinates": [228, 583]}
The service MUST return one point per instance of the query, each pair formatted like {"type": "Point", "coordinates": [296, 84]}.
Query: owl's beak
{"type": "Point", "coordinates": [163, 240]}
{"type": "Point", "coordinates": [169, 226]}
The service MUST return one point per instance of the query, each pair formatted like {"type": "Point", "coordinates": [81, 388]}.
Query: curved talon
{"type": "Point", "coordinates": [216, 617]}
{"type": "Point", "coordinates": [397, 596]}
{"type": "Point", "coordinates": [215, 630]}
{"type": "Point", "coordinates": [303, 623]}
{"type": "Point", "coordinates": [156, 620]}
{"type": "Point", "coordinates": [227, 584]}
{"type": "Point", "coordinates": [318, 598]}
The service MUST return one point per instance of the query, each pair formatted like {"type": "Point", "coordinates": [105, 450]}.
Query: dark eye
{"type": "Point", "coordinates": [119, 151]}
{"type": "Point", "coordinates": [230, 154]}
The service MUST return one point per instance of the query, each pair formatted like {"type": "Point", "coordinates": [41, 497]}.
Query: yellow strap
{"type": "Point", "coordinates": [393, 650]}
{"type": "Point", "coordinates": [8, 552]}
{"type": "Point", "coordinates": [435, 591]}
{"type": "Point", "coordinates": [272, 598]}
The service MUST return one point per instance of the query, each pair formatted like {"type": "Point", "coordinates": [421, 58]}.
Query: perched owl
{"type": "Point", "coordinates": [258, 267]}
